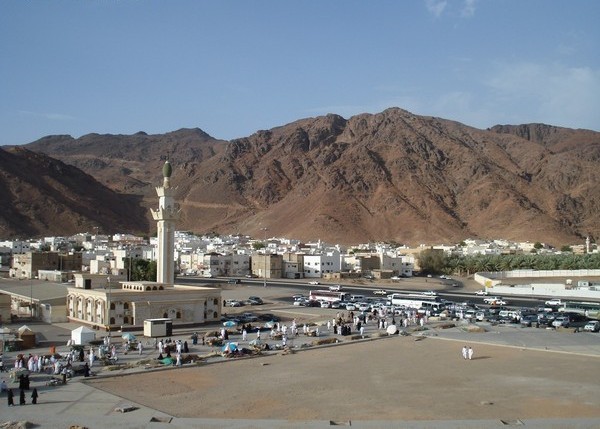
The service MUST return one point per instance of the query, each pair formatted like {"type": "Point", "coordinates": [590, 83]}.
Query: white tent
{"type": "Point", "coordinates": [82, 335]}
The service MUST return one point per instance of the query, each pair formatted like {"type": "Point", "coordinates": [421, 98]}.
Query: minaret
{"type": "Point", "coordinates": [166, 216]}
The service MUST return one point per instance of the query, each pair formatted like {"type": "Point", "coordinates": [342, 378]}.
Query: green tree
{"type": "Point", "coordinates": [432, 261]}
{"type": "Point", "coordinates": [566, 248]}
{"type": "Point", "coordinates": [257, 245]}
{"type": "Point", "coordinates": [143, 270]}
{"type": "Point", "coordinates": [537, 245]}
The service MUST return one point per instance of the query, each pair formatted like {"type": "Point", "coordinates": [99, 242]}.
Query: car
{"type": "Point", "coordinates": [234, 303]}
{"type": "Point", "coordinates": [248, 317]}
{"type": "Point", "coordinates": [593, 326]}
{"type": "Point", "coordinates": [268, 317]}
{"type": "Point", "coordinates": [298, 296]}
{"type": "Point", "coordinates": [369, 277]}
{"type": "Point", "coordinates": [255, 300]}
{"type": "Point", "coordinates": [313, 282]}
{"type": "Point", "coordinates": [380, 292]}
{"type": "Point", "coordinates": [429, 293]}
{"type": "Point", "coordinates": [234, 281]}
{"type": "Point", "coordinates": [481, 292]}
{"type": "Point", "coordinates": [301, 302]}
{"type": "Point", "coordinates": [561, 321]}
{"type": "Point", "coordinates": [363, 306]}
{"type": "Point", "coordinates": [251, 276]}
{"type": "Point", "coordinates": [325, 304]}
{"type": "Point", "coordinates": [350, 306]}
{"type": "Point", "coordinates": [338, 304]}
{"type": "Point", "coordinates": [335, 288]}
{"type": "Point", "coordinates": [554, 302]}
{"type": "Point", "coordinates": [529, 320]}
{"type": "Point", "coordinates": [395, 278]}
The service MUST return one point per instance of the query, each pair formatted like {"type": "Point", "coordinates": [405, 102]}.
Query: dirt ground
{"type": "Point", "coordinates": [398, 378]}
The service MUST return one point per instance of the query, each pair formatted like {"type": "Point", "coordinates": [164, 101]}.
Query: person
{"type": "Point", "coordinates": [464, 352]}
{"type": "Point", "coordinates": [86, 370]}
{"type": "Point", "coordinates": [186, 348]}
{"type": "Point", "coordinates": [2, 369]}
{"type": "Point", "coordinates": [22, 397]}
{"type": "Point", "coordinates": [64, 375]}
{"type": "Point", "coordinates": [470, 353]}
{"type": "Point", "coordinates": [178, 361]}
{"type": "Point", "coordinates": [258, 334]}
{"type": "Point", "coordinates": [244, 335]}
{"type": "Point", "coordinates": [34, 396]}
{"type": "Point", "coordinates": [3, 387]}
{"type": "Point", "coordinates": [10, 397]}
{"type": "Point", "coordinates": [140, 348]}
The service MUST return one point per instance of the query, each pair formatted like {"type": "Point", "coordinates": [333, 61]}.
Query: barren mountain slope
{"type": "Point", "coordinates": [43, 196]}
{"type": "Point", "coordinates": [388, 176]}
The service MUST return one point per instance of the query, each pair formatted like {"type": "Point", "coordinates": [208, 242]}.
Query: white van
{"type": "Point", "coordinates": [357, 298]}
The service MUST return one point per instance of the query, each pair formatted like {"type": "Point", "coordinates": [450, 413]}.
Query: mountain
{"type": "Point", "coordinates": [391, 176]}
{"type": "Point", "coordinates": [43, 196]}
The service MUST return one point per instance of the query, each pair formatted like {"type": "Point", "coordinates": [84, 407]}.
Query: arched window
{"type": "Point", "coordinates": [178, 315]}
{"type": "Point", "coordinates": [112, 320]}
{"type": "Point", "coordinates": [112, 305]}
{"type": "Point", "coordinates": [125, 319]}
{"type": "Point", "coordinates": [165, 315]}
{"type": "Point", "coordinates": [216, 301]}
{"type": "Point", "coordinates": [160, 288]}
{"type": "Point", "coordinates": [154, 288]}
{"type": "Point", "coordinates": [126, 306]}
{"type": "Point", "coordinates": [148, 288]}
{"type": "Point", "coordinates": [214, 315]}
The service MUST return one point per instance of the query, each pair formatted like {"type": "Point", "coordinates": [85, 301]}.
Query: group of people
{"type": "Point", "coordinates": [23, 386]}
{"type": "Point", "coordinates": [467, 353]}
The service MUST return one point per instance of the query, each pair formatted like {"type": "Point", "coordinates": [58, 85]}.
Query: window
{"type": "Point", "coordinates": [216, 301]}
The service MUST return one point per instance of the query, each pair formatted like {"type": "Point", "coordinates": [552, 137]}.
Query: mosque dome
{"type": "Point", "coordinates": [167, 169]}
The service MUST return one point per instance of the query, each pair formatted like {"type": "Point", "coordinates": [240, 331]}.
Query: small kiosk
{"type": "Point", "coordinates": [158, 328]}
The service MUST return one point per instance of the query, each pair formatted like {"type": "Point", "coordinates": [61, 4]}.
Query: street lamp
{"type": "Point", "coordinates": [108, 310]}
{"type": "Point", "coordinates": [265, 256]}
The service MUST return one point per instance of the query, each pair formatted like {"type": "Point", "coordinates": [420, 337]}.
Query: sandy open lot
{"type": "Point", "coordinates": [392, 379]}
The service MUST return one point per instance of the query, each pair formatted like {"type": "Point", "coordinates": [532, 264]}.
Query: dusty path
{"type": "Point", "coordinates": [392, 379]}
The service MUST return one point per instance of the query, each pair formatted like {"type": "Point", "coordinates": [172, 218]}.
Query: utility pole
{"type": "Point", "coordinates": [265, 256]}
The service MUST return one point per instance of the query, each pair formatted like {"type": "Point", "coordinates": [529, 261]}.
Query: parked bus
{"type": "Point", "coordinates": [328, 295]}
{"type": "Point", "coordinates": [588, 309]}
{"type": "Point", "coordinates": [416, 301]}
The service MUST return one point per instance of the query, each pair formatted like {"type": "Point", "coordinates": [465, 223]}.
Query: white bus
{"type": "Point", "coordinates": [328, 295]}
{"type": "Point", "coordinates": [415, 301]}
{"type": "Point", "coordinates": [590, 310]}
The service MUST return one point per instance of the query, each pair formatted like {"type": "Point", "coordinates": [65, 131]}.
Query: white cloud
{"type": "Point", "coordinates": [468, 8]}
{"type": "Point", "coordinates": [436, 7]}
{"type": "Point", "coordinates": [50, 116]}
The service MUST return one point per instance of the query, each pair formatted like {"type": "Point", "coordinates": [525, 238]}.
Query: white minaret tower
{"type": "Point", "coordinates": [165, 217]}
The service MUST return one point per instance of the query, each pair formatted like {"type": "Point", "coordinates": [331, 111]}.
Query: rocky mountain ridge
{"type": "Point", "coordinates": [391, 176]}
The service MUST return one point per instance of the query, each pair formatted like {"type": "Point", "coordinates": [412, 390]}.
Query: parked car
{"type": "Point", "coordinates": [593, 326]}
{"type": "Point", "coordinates": [234, 303]}
{"type": "Point", "coordinates": [325, 304]}
{"type": "Point", "coordinates": [554, 302]}
{"type": "Point", "coordinates": [335, 288]}
{"type": "Point", "coordinates": [380, 292]}
{"type": "Point", "coordinates": [481, 292]}
{"type": "Point", "coordinates": [350, 306]}
{"type": "Point", "coordinates": [529, 320]}
{"type": "Point", "coordinates": [255, 300]}
{"type": "Point", "coordinates": [313, 282]}
{"type": "Point", "coordinates": [563, 321]}
{"type": "Point", "coordinates": [234, 281]}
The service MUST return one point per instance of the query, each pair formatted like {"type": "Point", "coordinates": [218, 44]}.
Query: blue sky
{"type": "Point", "coordinates": [234, 67]}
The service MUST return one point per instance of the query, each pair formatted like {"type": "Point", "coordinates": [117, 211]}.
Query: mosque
{"type": "Point", "coordinates": [96, 301]}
